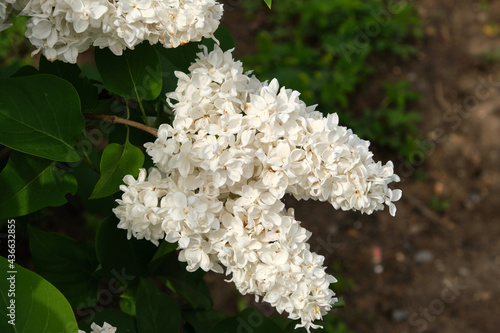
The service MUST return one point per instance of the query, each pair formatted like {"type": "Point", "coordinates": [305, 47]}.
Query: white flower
{"type": "Point", "coordinates": [196, 254]}
{"type": "Point", "coordinates": [138, 210]}
{"type": "Point", "coordinates": [236, 147]}
{"type": "Point", "coordinates": [83, 11]}
{"type": "Point", "coordinates": [106, 328]}
{"type": "Point", "coordinates": [63, 29]}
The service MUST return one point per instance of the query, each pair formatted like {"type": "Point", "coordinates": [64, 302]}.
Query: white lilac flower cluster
{"type": "Point", "coordinates": [237, 145]}
{"type": "Point", "coordinates": [106, 328]}
{"type": "Point", "coordinates": [61, 29]}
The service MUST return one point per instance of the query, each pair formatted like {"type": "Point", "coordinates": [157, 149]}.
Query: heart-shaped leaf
{"type": "Point", "coordinates": [40, 115]}
{"type": "Point", "coordinates": [117, 161]}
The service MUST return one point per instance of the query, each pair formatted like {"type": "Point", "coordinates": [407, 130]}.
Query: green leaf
{"type": "Point", "coordinates": [180, 57]}
{"type": "Point", "coordinates": [189, 285]}
{"type": "Point", "coordinates": [202, 321]}
{"type": "Point", "coordinates": [163, 250]}
{"type": "Point", "coordinates": [134, 75]}
{"type": "Point", "coordinates": [40, 115]}
{"type": "Point", "coordinates": [123, 322]}
{"type": "Point", "coordinates": [249, 320]}
{"type": "Point", "coordinates": [72, 74]}
{"type": "Point", "coordinates": [87, 178]}
{"type": "Point", "coordinates": [117, 161]}
{"type": "Point", "coordinates": [67, 264]}
{"type": "Point", "coordinates": [268, 3]}
{"type": "Point", "coordinates": [156, 311]}
{"type": "Point", "coordinates": [127, 303]}
{"type": "Point", "coordinates": [25, 71]}
{"type": "Point", "coordinates": [30, 183]}
{"type": "Point", "coordinates": [39, 306]}
{"type": "Point", "coordinates": [127, 258]}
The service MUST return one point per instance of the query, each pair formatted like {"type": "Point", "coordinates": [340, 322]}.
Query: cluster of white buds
{"type": "Point", "coordinates": [236, 147]}
{"type": "Point", "coordinates": [62, 29]}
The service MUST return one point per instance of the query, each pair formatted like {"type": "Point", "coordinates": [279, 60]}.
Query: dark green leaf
{"type": "Point", "coordinates": [134, 75]}
{"type": "Point", "coordinates": [202, 321]}
{"type": "Point", "coordinates": [168, 77]}
{"type": "Point", "coordinates": [180, 57]}
{"type": "Point", "coordinates": [189, 285]}
{"type": "Point", "coordinates": [87, 178]}
{"type": "Point", "coordinates": [156, 311]}
{"type": "Point", "coordinates": [72, 74]}
{"type": "Point", "coordinates": [40, 115]}
{"type": "Point", "coordinates": [249, 320]}
{"type": "Point", "coordinates": [30, 183]}
{"type": "Point", "coordinates": [117, 161]}
{"type": "Point", "coordinates": [163, 250]}
{"type": "Point", "coordinates": [39, 306]}
{"type": "Point", "coordinates": [123, 322]}
{"type": "Point", "coordinates": [67, 264]}
{"type": "Point", "coordinates": [127, 258]}
{"type": "Point", "coordinates": [25, 71]}
{"type": "Point", "coordinates": [11, 69]}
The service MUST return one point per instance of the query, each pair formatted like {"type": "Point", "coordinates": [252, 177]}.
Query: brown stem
{"type": "Point", "coordinates": [118, 120]}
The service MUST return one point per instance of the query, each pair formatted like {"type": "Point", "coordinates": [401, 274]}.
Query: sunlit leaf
{"type": "Point", "coordinates": [30, 183]}
{"type": "Point", "coordinates": [117, 161]}
{"type": "Point", "coordinates": [39, 306]}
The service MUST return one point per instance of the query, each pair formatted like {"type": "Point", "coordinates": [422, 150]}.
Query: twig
{"type": "Point", "coordinates": [118, 120]}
